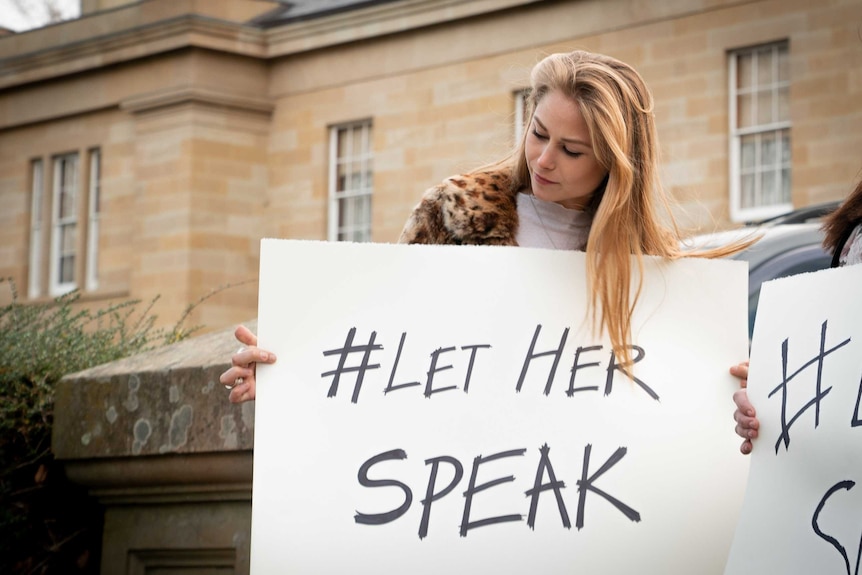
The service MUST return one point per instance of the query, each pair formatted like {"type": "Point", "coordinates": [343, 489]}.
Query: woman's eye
{"type": "Point", "coordinates": [540, 136]}
{"type": "Point", "coordinates": [571, 153]}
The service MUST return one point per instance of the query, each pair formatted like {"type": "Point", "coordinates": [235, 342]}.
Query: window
{"type": "Point", "coordinates": [64, 238]}
{"type": "Point", "coordinates": [350, 182]}
{"type": "Point", "coordinates": [64, 224]}
{"type": "Point", "coordinates": [37, 199]}
{"type": "Point", "coordinates": [93, 208]}
{"type": "Point", "coordinates": [760, 132]}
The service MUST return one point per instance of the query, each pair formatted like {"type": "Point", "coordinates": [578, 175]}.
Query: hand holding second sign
{"type": "Point", "coordinates": [745, 415]}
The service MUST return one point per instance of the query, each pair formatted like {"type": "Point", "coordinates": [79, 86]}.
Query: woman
{"type": "Point", "coordinates": [844, 239]}
{"type": "Point", "coordinates": [584, 177]}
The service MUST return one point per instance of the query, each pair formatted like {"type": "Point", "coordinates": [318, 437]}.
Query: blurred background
{"type": "Point", "coordinates": [150, 145]}
{"type": "Point", "coordinates": [147, 147]}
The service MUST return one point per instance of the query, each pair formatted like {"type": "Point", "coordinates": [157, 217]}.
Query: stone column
{"type": "Point", "coordinates": [154, 438]}
{"type": "Point", "coordinates": [201, 183]}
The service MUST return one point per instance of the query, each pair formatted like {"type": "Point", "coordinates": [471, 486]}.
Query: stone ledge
{"type": "Point", "coordinates": [166, 401]}
{"type": "Point", "coordinates": [174, 96]}
{"type": "Point", "coordinates": [168, 479]}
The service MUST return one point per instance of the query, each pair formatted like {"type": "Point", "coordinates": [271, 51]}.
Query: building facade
{"type": "Point", "coordinates": [147, 147]}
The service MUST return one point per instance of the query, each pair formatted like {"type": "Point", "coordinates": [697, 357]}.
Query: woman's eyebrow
{"type": "Point", "coordinates": [566, 140]}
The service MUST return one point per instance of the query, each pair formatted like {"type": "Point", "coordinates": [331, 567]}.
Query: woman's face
{"type": "Point", "coordinates": [559, 152]}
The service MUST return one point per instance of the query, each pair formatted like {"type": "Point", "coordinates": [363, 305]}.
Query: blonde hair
{"type": "Point", "coordinates": [618, 109]}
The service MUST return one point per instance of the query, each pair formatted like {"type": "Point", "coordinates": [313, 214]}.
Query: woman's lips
{"type": "Point", "coordinates": [542, 181]}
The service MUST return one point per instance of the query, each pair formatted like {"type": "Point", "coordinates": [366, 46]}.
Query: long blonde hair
{"type": "Point", "coordinates": [618, 109]}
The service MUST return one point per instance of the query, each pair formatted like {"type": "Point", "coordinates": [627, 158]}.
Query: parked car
{"type": "Point", "coordinates": [790, 244]}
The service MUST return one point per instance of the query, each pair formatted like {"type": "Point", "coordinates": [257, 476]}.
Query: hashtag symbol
{"type": "Point", "coordinates": [360, 370]}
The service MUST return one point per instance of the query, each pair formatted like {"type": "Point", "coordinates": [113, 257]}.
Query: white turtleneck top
{"type": "Point", "coordinates": [551, 226]}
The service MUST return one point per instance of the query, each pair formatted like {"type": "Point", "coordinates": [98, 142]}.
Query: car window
{"type": "Point", "coordinates": [797, 261]}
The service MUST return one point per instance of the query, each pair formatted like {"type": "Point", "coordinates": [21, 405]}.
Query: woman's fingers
{"type": "Point", "coordinates": [242, 392]}
{"type": "Point", "coordinates": [245, 336]}
{"type": "Point", "coordinates": [740, 371]}
{"type": "Point", "coordinates": [743, 405]}
{"type": "Point", "coordinates": [249, 353]}
{"type": "Point", "coordinates": [240, 378]}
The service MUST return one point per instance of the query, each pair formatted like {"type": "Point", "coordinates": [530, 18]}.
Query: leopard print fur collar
{"type": "Point", "coordinates": [479, 208]}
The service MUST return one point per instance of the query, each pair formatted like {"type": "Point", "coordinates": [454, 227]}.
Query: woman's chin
{"type": "Point", "coordinates": [541, 193]}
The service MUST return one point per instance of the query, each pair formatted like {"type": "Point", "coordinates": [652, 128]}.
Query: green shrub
{"type": "Point", "coordinates": [48, 525]}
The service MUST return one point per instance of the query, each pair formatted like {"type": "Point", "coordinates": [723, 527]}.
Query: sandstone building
{"type": "Point", "coordinates": [147, 147]}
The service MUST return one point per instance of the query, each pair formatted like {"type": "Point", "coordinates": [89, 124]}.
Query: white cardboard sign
{"type": "Point", "coordinates": [447, 409]}
{"type": "Point", "coordinates": [803, 505]}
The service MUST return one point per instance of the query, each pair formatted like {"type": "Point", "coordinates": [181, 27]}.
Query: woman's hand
{"type": "Point", "coordinates": [745, 416]}
{"type": "Point", "coordinates": [240, 377]}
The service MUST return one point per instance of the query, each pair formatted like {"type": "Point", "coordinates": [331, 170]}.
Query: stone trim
{"type": "Point", "coordinates": [195, 478]}
{"type": "Point", "coordinates": [202, 31]}
{"type": "Point", "coordinates": [376, 21]}
{"type": "Point", "coordinates": [190, 30]}
{"type": "Point", "coordinates": [175, 96]}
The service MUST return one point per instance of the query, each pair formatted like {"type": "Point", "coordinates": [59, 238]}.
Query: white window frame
{"type": "Point", "coordinates": [93, 211]}
{"type": "Point", "coordinates": [357, 227]}
{"type": "Point", "coordinates": [738, 213]}
{"type": "Point", "coordinates": [37, 201]}
{"type": "Point", "coordinates": [69, 184]}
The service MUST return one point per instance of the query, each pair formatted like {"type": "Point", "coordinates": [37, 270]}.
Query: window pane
{"type": "Point", "coordinates": [785, 146]}
{"type": "Point", "coordinates": [365, 208]}
{"type": "Point", "coordinates": [36, 203]}
{"type": "Point", "coordinates": [749, 152]}
{"type": "Point", "coordinates": [34, 285]}
{"type": "Point", "coordinates": [748, 191]}
{"type": "Point", "coordinates": [343, 143]}
{"type": "Point", "coordinates": [94, 207]}
{"type": "Point", "coordinates": [783, 63]}
{"type": "Point", "coordinates": [783, 95]}
{"type": "Point", "coordinates": [358, 143]}
{"type": "Point", "coordinates": [343, 219]}
{"type": "Point", "coordinates": [769, 187]}
{"type": "Point", "coordinates": [744, 111]}
{"type": "Point", "coordinates": [67, 238]}
{"type": "Point", "coordinates": [744, 67]}
{"type": "Point", "coordinates": [67, 203]}
{"type": "Point", "coordinates": [785, 186]}
{"type": "Point", "coordinates": [67, 269]}
{"type": "Point", "coordinates": [341, 178]}
{"type": "Point", "coordinates": [765, 74]}
{"type": "Point", "coordinates": [65, 214]}
{"type": "Point", "coordinates": [368, 175]}
{"type": "Point", "coordinates": [764, 108]}
{"type": "Point", "coordinates": [768, 150]}
{"type": "Point", "coordinates": [95, 181]}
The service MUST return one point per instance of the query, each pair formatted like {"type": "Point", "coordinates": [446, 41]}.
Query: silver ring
{"type": "Point", "coordinates": [241, 349]}
{"type": "Point", "coordinates": [236, 382]}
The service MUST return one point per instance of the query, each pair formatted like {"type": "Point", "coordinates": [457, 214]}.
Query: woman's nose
{"type": "Point", "coordinates": [546, 159]}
